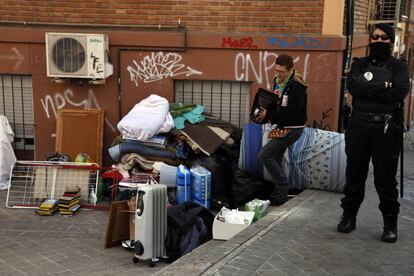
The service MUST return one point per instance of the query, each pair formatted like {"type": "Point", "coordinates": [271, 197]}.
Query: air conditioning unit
{"type": "Point", "coordinates": [70, 55]}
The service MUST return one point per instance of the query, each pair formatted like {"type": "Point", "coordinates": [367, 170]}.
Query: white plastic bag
{"type": "Point", "coordinates": [7, 156]}
{"type": "Point", "coordinates": [233, 216]}
{"type": "Point", "coordinates": [146, 119]}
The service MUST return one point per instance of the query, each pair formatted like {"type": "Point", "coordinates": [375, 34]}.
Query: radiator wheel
{"type": "Point", "coordinates": [139, 248]}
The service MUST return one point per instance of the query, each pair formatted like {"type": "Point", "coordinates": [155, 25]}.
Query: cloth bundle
{"type": "Point", "coordinates": [147, 118]}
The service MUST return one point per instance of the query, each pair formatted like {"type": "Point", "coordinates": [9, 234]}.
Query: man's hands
{"type": "Point", "coordinates": [261, 115]}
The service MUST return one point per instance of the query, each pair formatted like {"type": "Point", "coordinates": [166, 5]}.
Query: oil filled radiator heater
{"type": "Point", "coordinates": [150, 222]}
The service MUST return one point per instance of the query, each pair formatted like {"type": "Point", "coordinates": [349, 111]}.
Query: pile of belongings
{"type": "Point", "coordinates": [155, 130]}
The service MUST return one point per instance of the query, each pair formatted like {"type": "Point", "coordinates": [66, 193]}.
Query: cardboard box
{"type": "Point", "coordinates": [225, 231]}
{"type": "Point", "coordinates": [117, 227]}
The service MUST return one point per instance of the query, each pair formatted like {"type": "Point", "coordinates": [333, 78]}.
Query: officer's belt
{"type": "Point", "coordinates": [371, 117]}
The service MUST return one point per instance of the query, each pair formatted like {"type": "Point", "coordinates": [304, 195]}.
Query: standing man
{"type": "Point", "coordinates": [378, 84]}
{"type": "Point", "coordinates": [290, 116]}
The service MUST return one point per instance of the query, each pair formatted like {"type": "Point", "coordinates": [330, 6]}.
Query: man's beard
{"type": "Point", "coordinates": [379, 51]}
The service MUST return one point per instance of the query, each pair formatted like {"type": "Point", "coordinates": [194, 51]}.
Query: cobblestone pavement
{"type": "Point", "coordinates": [304, 241]}
{"type": "Point", "coordinates": [58, 245]}
{"type": "Point", "coordinates": [298, 238]}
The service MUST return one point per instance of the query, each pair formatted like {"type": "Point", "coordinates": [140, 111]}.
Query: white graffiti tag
{"type": "Point", "coordinates": [58, 101]}
{"type": "Point", "coordinates": [244, 65]}
{"type": "Point", "coordinates": [158, 66]}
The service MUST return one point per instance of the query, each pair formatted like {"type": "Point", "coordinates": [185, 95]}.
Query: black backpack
{"type": "Point", "coordinates": [180, 219]}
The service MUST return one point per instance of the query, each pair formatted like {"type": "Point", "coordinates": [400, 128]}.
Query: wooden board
{"type": "Point", "coordinates": [80, 131]}
{"type": "Point", "coordinates": [117, 229]}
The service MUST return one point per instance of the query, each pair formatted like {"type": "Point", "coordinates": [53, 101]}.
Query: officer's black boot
{"type": "Point", "coordinates": [390, 228]}
{"type": "Point", "coordinates": [347, 223]}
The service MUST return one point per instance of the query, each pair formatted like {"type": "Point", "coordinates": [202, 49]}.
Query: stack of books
{"type": "Point", "coordinates": [69, 202]}
{"type": "Point", "coordinates": [48, 207]}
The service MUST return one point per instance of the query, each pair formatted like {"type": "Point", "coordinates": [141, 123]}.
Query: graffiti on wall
{"type": "Point", "coordinates": [322, 123]}
{"type": "Point", "coordinates": [158, 66]}
{"type": "Point", "coordinates": [52, 103]}
{"type": "Point", "coordinates": [16, 56]}
{"type": "Point", "coordinates": [247, 68]}
{"type": "Point", "coordinates": [97, 66]}
{"type": "Point", "coordinates": [245, 42]}
{"type": "Point", "coordinates": [299, 41]}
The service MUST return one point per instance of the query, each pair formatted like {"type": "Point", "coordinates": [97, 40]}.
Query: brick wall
{"type": "Point", "coordinates": [238, 16]}
{"type": "Point", "coordinates": [361, 16]}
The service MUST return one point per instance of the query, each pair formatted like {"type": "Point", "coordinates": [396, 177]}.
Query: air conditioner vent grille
{"type": "Point", "coordinates": [68, 55]}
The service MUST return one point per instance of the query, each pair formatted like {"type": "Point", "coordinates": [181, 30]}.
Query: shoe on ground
{"type": "Point", "coordinates": [347, 224]}
{"type": "Point", "coordinates": [390, 229]}
{"type": "Point", "coordinates": [128, 244]}
{"type": "Point", "coordinates": [389, 236]}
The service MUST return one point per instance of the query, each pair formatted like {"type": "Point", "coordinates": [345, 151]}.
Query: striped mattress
{"type": "Point", "coordinates": [316, 160]}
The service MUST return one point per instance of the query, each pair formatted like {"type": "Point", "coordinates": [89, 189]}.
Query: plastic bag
{"type": "Point", "coordinates": [258, 206]}
{"type": "Point", "coordinates": [232, 216]}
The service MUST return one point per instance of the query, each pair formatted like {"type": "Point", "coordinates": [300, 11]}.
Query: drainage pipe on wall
{"type": "Point", "coordinates": [87, 25]}
{"type": "Point", "coordinates": [346, 60]}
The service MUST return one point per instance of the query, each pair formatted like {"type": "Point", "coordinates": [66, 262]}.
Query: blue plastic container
{"type": "Point", "coordinates": [183, 184]}
{"type": "Point", "coordinates": [201, 186]}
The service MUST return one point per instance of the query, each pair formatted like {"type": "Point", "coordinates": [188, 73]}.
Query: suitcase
{"type": "Point", "coordinates": [150, 222]}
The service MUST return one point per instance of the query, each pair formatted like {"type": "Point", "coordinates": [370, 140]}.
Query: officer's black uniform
{"type": "Point", "coordinates": [374, 131]}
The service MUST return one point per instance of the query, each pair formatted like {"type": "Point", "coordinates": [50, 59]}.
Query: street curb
{"type": "Point", "coordinates": [212, 255]}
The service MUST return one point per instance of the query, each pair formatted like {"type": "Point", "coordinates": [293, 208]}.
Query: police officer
{"type": "Point", "coordinates": [378, 84]}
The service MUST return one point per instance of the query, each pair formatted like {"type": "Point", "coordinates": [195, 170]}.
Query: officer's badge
{"type": "Point", "coordinates": [368, 76]}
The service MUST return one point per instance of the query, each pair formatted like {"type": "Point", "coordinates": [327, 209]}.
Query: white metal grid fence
{"type": "Point", "coordinates": [33, 181]}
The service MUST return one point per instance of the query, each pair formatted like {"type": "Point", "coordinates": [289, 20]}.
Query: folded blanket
{"type": "Point", "coordinates": [203, 138]}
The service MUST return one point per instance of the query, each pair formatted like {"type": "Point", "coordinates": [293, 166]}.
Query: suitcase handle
{"type": "Point", "coordinates": [152, 180]}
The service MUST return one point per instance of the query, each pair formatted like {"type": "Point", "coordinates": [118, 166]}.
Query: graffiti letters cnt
{"type": "Point", "coordinates": [158, 66]}
{"type": "Point", "coordinates": [259, 67]}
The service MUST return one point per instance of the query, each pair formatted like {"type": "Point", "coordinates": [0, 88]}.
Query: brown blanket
{"type": "Point", "coordinates": [204, 137]}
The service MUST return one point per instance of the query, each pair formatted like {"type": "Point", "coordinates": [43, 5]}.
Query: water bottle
{"type": "Point", "coordinates": [183, 184]}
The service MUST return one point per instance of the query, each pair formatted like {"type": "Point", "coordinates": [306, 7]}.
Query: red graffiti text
{"type": "Point", "coordinates": [246, 42]}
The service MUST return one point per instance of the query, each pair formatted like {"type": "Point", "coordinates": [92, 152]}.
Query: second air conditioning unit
{"type": "Point", "coordinates": [77, 55]}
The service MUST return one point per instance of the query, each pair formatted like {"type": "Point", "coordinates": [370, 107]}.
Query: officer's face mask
{"type": "Point", "coordinates": [379, 50]}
